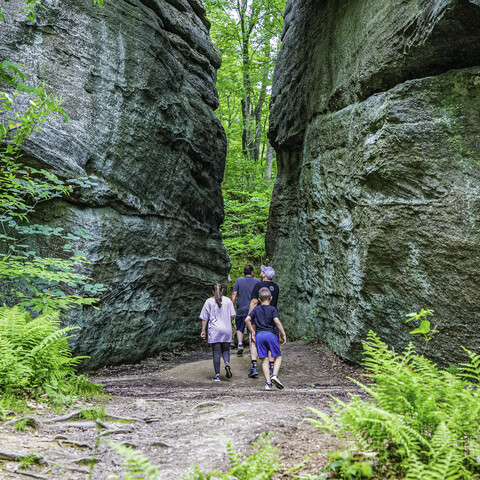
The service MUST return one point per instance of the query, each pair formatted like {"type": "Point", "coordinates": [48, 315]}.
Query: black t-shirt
{"type": "Point", "coordinates": [262, 317]}
{"type": "Point", "coordinates": [273, 287]}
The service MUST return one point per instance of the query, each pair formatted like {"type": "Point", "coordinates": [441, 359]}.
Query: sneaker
{"type": "Point", "coordinates": [229, 371]}
{"type": "Point", "coordinates": [268, 386]}
{"type": "Point", "coordinates": [240, 349]}
{"type": "Point", "coordinates": [253, 373]}
{"type": "Point", "coordinates": [216, 378]}
{"type": "Point", "coordinates": [276, 381]}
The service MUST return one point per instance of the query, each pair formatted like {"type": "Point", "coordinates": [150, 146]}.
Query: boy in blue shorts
{"type": "Point", "coordinates": [265, 317]}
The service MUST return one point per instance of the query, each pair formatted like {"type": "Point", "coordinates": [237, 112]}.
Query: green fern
{"type": "Point", "coordinates": [36, 354]}
{"type": "Point", "coordinates": [136, 465]}
{"type": "Point", "coordinates": [471, 370]}
{"type": "Point", "coordinates": [421, 421]}
{"type": "Point", "coordinates": [262, 464]}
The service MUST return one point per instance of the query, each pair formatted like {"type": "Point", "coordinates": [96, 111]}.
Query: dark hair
{"type": "Point", "coordinates": [248, 269]}
{"type": "Point", "coordinates": [264, 294]}
{"type": "Point", "coordinates": [217, 293]}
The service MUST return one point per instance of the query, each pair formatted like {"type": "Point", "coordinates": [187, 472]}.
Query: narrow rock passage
{"type": "Point", "coordinates": [183, 418]}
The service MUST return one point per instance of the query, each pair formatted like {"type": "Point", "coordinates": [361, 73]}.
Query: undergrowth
{"type": "Point", "coordinates": [36, 359]}
{"type": "Point", "coordinates": [421, 422]}
{"type": "Point", "coordinates": [260, 465]}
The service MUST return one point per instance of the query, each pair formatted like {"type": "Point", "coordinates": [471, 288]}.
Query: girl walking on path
{"type": "Point", "coordinates": [218, 313]}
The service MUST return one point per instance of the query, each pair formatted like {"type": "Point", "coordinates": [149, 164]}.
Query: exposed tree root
{"type": "Point", "coordinates": [26, 474]}
{"type": "Point", "coordinates": [73, 444]}
{"type": "Point", "coordinates": [15, 457]}
{"type": "Point", "coordinates": [119, 431]}
{"type": "Point", "coordinates": [30, 421]}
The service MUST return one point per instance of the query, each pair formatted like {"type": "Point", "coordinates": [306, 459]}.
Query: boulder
{"type": "Point", "coordinates": [138, 78]}
{"type": "Point", "coordinates": [376, 209]}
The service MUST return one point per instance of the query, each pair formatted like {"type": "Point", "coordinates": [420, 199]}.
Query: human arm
{"type": "Point", "coordinates": [253, 304]}
{"type": "Point", "coordinates": [234, 296]}
{"type": "Point", "coordinates": [248, 323]}
{"type": "Point", "coordinates": [203, 333]}
{"type": "Point", "coordinates": [279, 325]}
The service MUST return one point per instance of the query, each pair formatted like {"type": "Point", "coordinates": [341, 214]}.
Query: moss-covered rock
{"type": "Point", "coordinates": [376, 210]}
{"type": "Point", "coordinates": [138, 77]}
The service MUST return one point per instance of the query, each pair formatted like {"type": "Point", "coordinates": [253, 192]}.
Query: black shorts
{"type": "Point", "coordinates": [240, 323]}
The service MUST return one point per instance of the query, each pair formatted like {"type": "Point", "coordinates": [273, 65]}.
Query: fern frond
{"type": "Point", "coordinates": [326, 422]}
{"type": "Point", "coordinates": [472, 369]}
{"type": "Point", "coordinates": [135, 463]}
{"type": "Point", "coordinates": [54, 337]}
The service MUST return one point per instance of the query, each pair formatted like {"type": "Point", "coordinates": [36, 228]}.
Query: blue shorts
{"type": "Point", "coordinates": [266, 341]}
{"type": "Point", "coordinates": [240, 323]}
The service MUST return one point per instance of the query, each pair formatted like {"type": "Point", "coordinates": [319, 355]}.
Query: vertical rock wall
{"type": "Point", "coordinates": [376, 210]}
{"type": "Point", "coordinates": [138, 77]}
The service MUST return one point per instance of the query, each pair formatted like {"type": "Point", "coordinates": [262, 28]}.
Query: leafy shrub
{"type": "Point", "coordinates": [260, 465]}
{"type": "Point", "coordinates": [421, 421]}
{"type": "Point", "coordinates": [36, 354]}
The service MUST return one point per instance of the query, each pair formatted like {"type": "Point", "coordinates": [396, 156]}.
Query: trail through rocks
{"type": "Point", "coordinates": [169, 410]}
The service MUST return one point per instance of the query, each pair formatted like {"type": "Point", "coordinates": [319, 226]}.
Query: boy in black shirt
{"type": "Point", "coordinates": [266, 274]}
{"type": "Point", "coordinates": [265, 317]}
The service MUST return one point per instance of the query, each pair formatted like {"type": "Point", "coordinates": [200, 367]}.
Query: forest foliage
{"type": "Point", "coordinates": [247, 32]}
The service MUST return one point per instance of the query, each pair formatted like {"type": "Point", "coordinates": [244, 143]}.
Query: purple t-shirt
{"type": "Point", "coordinates": [244, 286]}
{"type": "Point", "coordinates": [219, 319]}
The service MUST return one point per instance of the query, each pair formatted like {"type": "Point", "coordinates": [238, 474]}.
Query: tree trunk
{"type": "Point", "coordinates": [269, 161]}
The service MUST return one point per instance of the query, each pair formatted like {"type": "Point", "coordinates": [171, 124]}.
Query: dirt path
{"type": "Point", "coordinates": [183, 418]}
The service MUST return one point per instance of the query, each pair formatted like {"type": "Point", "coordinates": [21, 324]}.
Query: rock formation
{"type": "Point", "coordinates": [376, 210]}
{"type": "Point", "coordinates": [138, 78]}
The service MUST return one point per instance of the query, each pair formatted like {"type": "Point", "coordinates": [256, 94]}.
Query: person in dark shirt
{"type": "Point", "coordinates": [242, 292]}
{"type": "Point", "coordinates": [266, 274]}
{"type": "Point", "coordinates": [264, 335]}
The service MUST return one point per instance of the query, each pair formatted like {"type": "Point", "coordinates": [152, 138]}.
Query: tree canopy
{"type": "Point", "coordinates": [247, 32]}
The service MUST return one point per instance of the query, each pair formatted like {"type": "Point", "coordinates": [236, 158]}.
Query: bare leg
{"type": "Point", "coordinates": [253, 349]}
{"type": "Point", "coordinates": [266, 369]}
{"type": "Point", "coordinates": [239, 336]}
{"type": "Point", "coordinates": [277, 365]}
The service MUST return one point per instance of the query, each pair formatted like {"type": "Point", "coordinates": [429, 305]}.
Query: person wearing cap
{"type": "Point", "coordinates": [266, 274]}
{"type": "Point", "coordinates": [242, 292]}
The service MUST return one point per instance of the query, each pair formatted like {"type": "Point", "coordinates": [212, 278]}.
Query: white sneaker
{"type": "Point", "coordinates": [216, 378]}
{"type": "Point", "coordinates": [268, 386]}
{"type": "Point", "coordinates": [276, 381]}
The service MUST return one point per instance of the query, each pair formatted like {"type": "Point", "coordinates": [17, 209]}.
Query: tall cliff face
{"type": "Point", "coordinates": [376, 210]}
{"type": "Point", "coordinates": [138, 77]}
